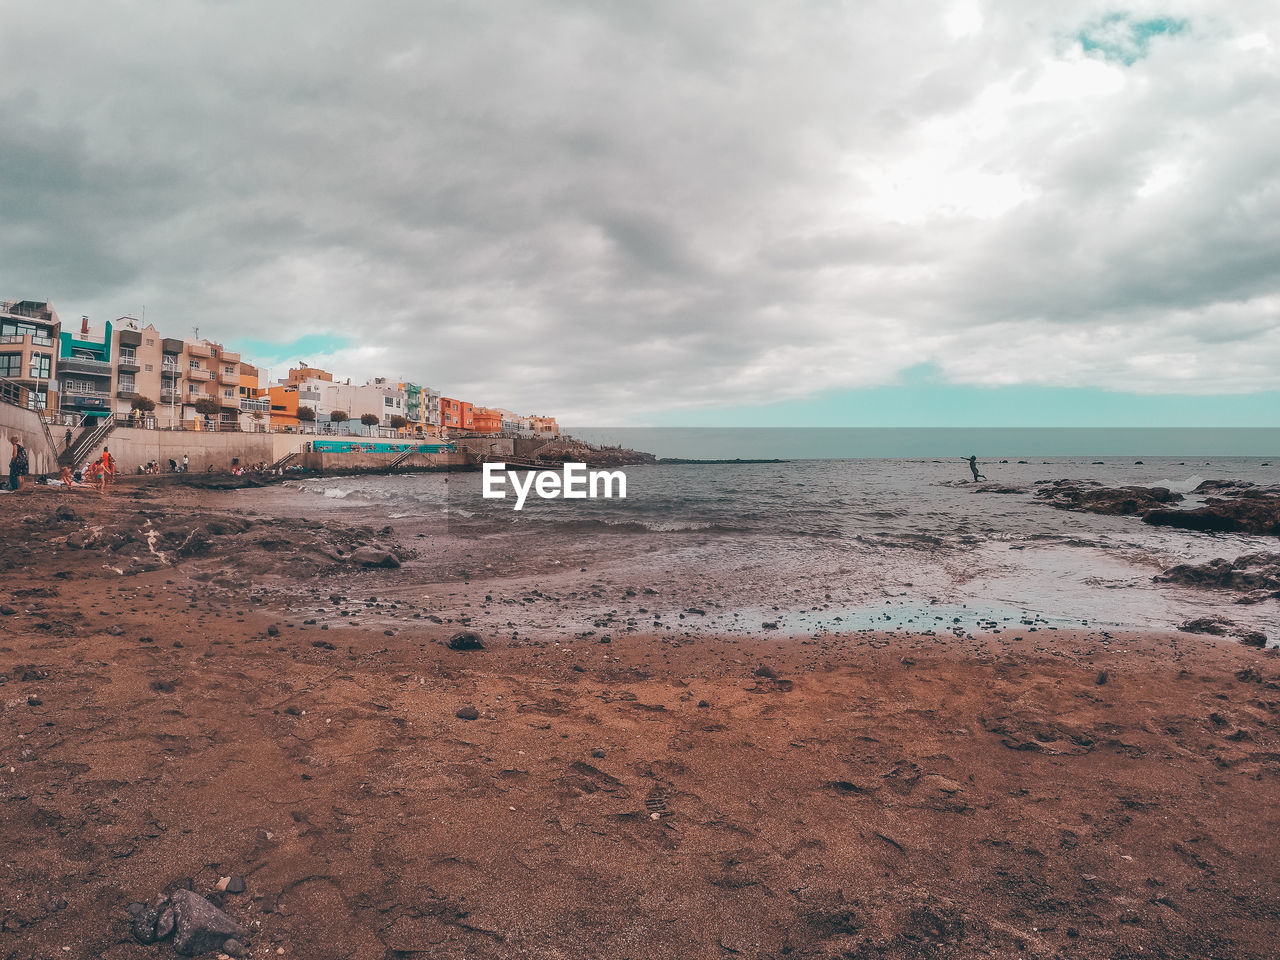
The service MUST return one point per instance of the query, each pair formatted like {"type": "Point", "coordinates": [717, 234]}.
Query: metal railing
{"type": "Point", "coordinates": [85, 365]}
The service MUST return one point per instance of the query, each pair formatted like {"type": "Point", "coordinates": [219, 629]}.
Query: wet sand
{"type": "Point", "coordinates": [170, 713]}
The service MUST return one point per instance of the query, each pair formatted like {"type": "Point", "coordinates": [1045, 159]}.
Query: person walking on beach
{"type": "Point", "coordinates": [108, 466]}
{"type": "Point", "coordinates": [973, 465]}
{"type": "Point", "coordinates": [18, 465]}
{"type": "Point", "coordinates": [185, 462]}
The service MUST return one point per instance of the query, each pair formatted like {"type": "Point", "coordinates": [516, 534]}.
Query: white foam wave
{"type": "Point", "coordinates": [1180, 486]}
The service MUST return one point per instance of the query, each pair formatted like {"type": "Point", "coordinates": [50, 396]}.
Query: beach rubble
{"type": "Point", "coordinates": [197, 925]}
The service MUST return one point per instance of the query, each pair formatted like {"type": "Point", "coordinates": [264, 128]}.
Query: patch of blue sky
{"type": "Point", "coordinates": [1121, 38]}
{"type": "Point", "coordinates": [293, 351]}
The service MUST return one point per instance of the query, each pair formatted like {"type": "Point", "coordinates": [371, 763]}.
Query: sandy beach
{"type": "Point", "coordinates": [195, 688]}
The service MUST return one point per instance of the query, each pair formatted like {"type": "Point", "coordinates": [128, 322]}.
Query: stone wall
{"type": "Point", "coordinates": [132, 448]}
{"type": "Point", "coordinates": [27, 427]}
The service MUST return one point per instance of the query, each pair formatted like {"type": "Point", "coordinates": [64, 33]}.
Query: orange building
{"type": "Point", "coordinates": [484, 420]}
{"type": "Point", "coordinates": [545, 426]}
{"type": "Point", "coordinates": [456, 414]}
{"type": "Point", "coordinates": [284, 405]}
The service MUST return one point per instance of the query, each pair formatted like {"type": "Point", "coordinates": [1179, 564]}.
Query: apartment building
{"type": "Point", "coordinates": [316, 389]}
{"type": "Point", "coordinates": [86, 373]}
{"type": "Point", "coordinates": [255, 404]}
{"type": "Point", "coordinates": [456, 415]}
{"type": "Point", "coordinates": [422, 407]}
{"type": "Point", "coordinates": [30, 334]}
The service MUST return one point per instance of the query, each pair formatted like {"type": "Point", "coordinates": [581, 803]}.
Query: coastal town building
{"type": "Point", "coordinates": [456, 415]}
{"type": "Point", "coordinates": [255, 404]}
{"type": "Point", "coordinates": [484, 420]}
{"type": "Point", "coordinates": [85, 371]}
{"type": "Point", "coordinates": [128, 371]}
{"type": "Point", "coordinates": [29, 341]}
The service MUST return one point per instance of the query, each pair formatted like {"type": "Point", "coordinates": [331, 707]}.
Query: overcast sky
{"type": "Point", "coordinates": [612, 211]}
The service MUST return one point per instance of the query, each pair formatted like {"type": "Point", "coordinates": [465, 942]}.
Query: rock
{"type": "Point", "coordinates": [7, 610]}
{"type": "Point", "coordinates": [375, 557]}
{"type": "Point", "coordinates": [66, 513]}
{"type": "Point", "coordinates": [144, 922]}
{"type": "Point", "coordinates": [1215, 626]}
{"type": "Point", "coordinates": [200, 926]}
{"type": "Point", "coordinates": [468, 713]}
{"type": "Point", "coordinates": [1086, 496]}
{"type": "Point", "coordinates": [466, 640]}
{"type": "Point", "coordinates": [273, 630]}
{"type": "Point", "coordinates": [231, 884]}
{"type": "Point", "coordinates": [165, 925]}
{"type": "Point", "coordinates": [116, 630]}
{"type": "Point", "coordinates": [767, 672]}
{"type": "Point", "coordinates": [1101, 678]}
{"type": "Point", "coordinates": [234, 948]}
{"type": "Point", "coordinates": [1254, 638]}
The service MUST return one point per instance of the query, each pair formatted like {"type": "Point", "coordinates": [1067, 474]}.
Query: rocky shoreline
{"type": "Point", "coordinates": [208, 704]}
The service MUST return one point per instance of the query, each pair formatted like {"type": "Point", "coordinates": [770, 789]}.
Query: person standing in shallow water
{"type": "Point", "coordinates": [973, 465]}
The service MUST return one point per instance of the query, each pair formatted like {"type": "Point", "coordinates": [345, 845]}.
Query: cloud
{"type": "Point", "coordinates": [610, 209]}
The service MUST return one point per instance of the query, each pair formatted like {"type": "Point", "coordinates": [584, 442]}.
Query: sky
{"type": "Point", "coordinates": [679, 213]}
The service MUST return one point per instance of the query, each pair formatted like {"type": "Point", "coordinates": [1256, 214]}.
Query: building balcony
{"type": "Point", "coordinates": [201, 375]}
{"type": "Point", "coordinates": [127, 393]}
{"type": "Point", "coordinates": [128, 364]}
{"type": "Point", "coordinates": [228, 357]}
{"type": "Point", "coordinates": [170, 396]}
{"type": "Point", "coordinates": [130, 338]}
{"type": "Point", "coordinates": [84, 365]}
{"type": "Point", "coordinates": [199, 350]}
{"type": "Point", "coordinates": [233, 379]}
{"type": "Point", "coordinates": [255, 406]}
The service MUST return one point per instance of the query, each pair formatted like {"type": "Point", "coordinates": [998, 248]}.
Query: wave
{"type": "Point", "coordinates": [1180, 486]}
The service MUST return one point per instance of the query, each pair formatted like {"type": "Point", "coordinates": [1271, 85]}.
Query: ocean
{"type": "Point", "coordinates": [816, 546]}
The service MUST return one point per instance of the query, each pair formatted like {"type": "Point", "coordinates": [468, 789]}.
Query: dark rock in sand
{"type": "Point", "coordinates": [1254, 638]}
{"type": "Point", "coordinates": [468, 713]}
{"type": "Point", "coordinates": [1255, 575]}
{"type": "Point", "coordinates": [1215, 626]}
{"type": "Point", "coordinates": [166, 924]}
{"type": "Point", "coordinates": [1253, 511]}
{"type": "Point", "coordinates": [200, 926]}
{"type": "Point", "coordinates": [1117, 501]}
{"type": "Point", "coordinates": [375, 557]}
{"type": "Point", "coordinates": [767, 672]}
{"type": "Point", "coordinates": [144, 922]}
{"type": "Point", "coordinates": [465, 641]}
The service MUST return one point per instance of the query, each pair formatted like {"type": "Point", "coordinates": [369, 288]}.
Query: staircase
{"type": "Point", "coordinates": [401, 459]}
{"type": "Point", "coordinates": [283, 462]}
{"type": "Point", "coordinates": [94, 433]}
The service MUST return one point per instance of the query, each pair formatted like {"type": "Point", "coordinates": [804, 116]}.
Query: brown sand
{"type": "Point", "coordinates": [857, 797]}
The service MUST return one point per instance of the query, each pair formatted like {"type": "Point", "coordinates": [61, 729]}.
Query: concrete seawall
{"type": "Point", "coordinates": [28, 428]}
{"type": "Point", "coordinates": [132, 448]}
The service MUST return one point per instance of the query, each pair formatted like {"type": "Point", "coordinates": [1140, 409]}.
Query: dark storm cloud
{"type": "Point", "coordinates": [608, 209]}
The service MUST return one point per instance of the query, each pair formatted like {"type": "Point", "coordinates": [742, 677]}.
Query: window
{"type": "Point", "coordinates": [150, 342]}
{"type": "Point", "coordinates": [126, 382]}
{"type": "Point", "coordinates": [193, 364]}
{"type": "Point", "coordinates": [128, 355]}
{"type": "Point", "coordinates": [40, 364]}
{"type": "Point", "coordinates": [229, 394]}
{"type": "Point", "coordinates": [229, 369]}
{"type": "Point", "coordinates": [148, 368]}
{"type": "Point", "coordinates": [10, 365]}
{"type": "Point", "coordinates": [387, 401]}
{"type": "Point", "coordinates": [193, 389]}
